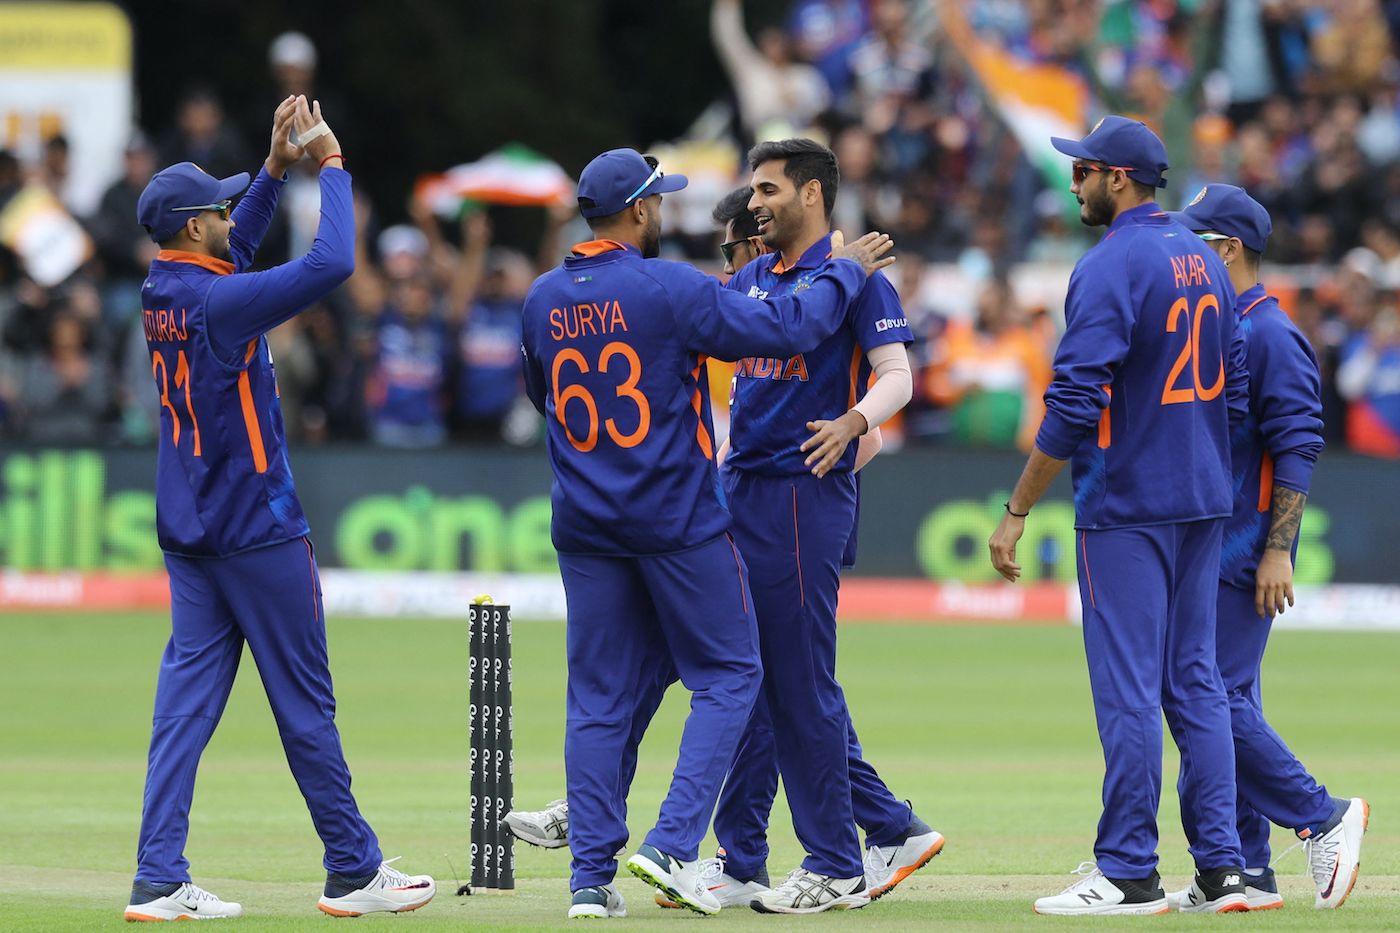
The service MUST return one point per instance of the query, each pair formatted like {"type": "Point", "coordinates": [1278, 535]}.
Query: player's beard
{"type": "Point", "coordinates": [651, 236]}
{"type": "Point", "coordinates": [784, 227]}
{"type": "Point", "coordinates": [1096, 207]}
{"type": "Point", "coordinates": [219, 248]}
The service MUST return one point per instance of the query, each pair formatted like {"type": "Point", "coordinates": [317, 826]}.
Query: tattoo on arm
{"type": "Point", "coordinates": [1287, 514]}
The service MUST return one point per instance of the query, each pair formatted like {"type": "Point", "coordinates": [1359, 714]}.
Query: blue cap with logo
{"type": "Point", "coordinates": [619, 177]}
{"type": "Point", "coordinates": [174, 194]}
{"type": "Point", "coordinates": [1121, 143]}
{"type": "Point", "coordinates": [1229, 210]}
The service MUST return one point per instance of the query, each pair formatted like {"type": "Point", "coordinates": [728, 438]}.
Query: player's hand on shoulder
{"type": "Point", "coordinates": [872, 250]}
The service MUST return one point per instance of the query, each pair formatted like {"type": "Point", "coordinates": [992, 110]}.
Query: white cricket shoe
{"type": "Point", "coordinates": [681, 882]}
{"type": "Point", "coordinates": [1260, 892]}
{"type": "Point", "coordinates": [806, 892]}
{"type": "Point", "coordinates": [597, 902]}
{"type": "Point", "coordinates": [547, 828]}
{"type": "Point", "coordinates": [1334, 857]}
{"type": "Point", "coordinates": [728, 890]}
{"type": "Point", "coordinates": [887, 866]}
{"type": "Point", "coordinates": [187, 901]}
{"type": "Point", "coordinates": [388, 890]}
{"type": "Point", "coordinates": [1098, 895]}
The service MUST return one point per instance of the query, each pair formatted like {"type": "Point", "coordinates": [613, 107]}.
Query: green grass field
{"type": "Point", "coordinates": [987, 729]}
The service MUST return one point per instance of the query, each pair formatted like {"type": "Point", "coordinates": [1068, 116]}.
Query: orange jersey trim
{"type": "Point", "coordinates": [595, 247]}
{"type": "Point", "coordinates": [1106, 422]}
{"type": "Point", "coordinates": [216, 266]}
{"type": "Point", "coordinates": [780, 267]}
{"type": "Point", "coordinates": [739, 568]}
{"type": "Point", "coordinates": [250, 413]}
{"type": "Point", "coordinates": [1266, 482]}
{"type": "Point", "coordinates": [1252, 304]}
{"type": "Point", "coordinates": [702, 437]}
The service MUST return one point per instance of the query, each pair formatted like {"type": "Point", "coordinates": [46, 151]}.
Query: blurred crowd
{"type": "Point", "coordinates": [1297, 102]}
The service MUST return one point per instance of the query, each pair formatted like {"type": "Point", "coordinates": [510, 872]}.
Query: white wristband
{"type": "Point", "coordinates": [316, 132]}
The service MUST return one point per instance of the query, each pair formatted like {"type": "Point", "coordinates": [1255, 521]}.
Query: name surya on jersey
{"type": "Point", "coordinates": [587, 319]}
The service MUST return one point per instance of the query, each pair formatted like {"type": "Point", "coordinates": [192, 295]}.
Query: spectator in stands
{"type": "Point", "coordinates": [892, 83]}
{"type": "Point", "coordinates": [122, 246]}
{"type": "Point", "coordinates": [777, 95]}
{"type": "Point", "coordinates": [1369, 379]}
{"type": "Point", "coordinates": [992, 374]}
{"type": "Point", "coordinates": [407, 387]}
{"type": "Point", "coordinates": [65, 392]}
{"type": "Point", "coordinates": [825, 32]}
{"type": "Point", "coordinates": [202, 136]}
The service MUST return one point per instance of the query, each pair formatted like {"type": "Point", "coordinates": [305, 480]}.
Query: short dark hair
{"type": "Point", "coordinates": [1144, 191]}
{"type": "Point", "coordinates": [804, 160]}
{"type": "Point", "coordinates": [734, 208]}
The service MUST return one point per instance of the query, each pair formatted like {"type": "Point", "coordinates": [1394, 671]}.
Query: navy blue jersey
{"type": "Point", "coordinates": [615, 348]}
{"type": "Point", "coordinates": [774, 398]}
{"type": "Point", "coordinates": [223, 483]}
{"type": "Point", "coordinates": [1279, 440]}
{"type": "Point", "coordinates": [1149, 377]}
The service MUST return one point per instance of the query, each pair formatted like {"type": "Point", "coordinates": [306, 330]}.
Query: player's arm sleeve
{"type": "Point", "coordinates": [893, 388]}
{"type": "Point", "coordinates": [252, 217]}
{"type": "Point", "coordinates": [534, 380]}
{"type": "Point", "coordinates": [867, 447]}
{"type": "Point", "coordinates": [722, 323]}
{"type": "Point", "coordinates": [1099, 320]}
{"type": "Point", "coordinates": [1289, 392]}
{"type": "Point", "coordinates": [243, 307]}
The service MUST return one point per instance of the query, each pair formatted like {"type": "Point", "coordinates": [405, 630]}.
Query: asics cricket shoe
{"type": "Point", "coordinates": [177, 901]}
{"type": "Point", "coordinates": [1334, 856]}
{"type": "Point", "coordinates": [547, 828]}
{"type": "Point", "coordinates": [681, 882]}
{"type": "Point", "coordinates": [887, 866]}
{"type": "Point", "coordinates": [1096, 894]}
{"type": "Point", "coordinates": [1260, 892]}
{"type": "Point", "coordinates": [597, 902]}
{"type": "Point", "coordinates": [728, 890]}
{"type": "Point", "coordinates": [387, 890]}
{"type": "Point", "coordinates": [1216, 891]}
{"type": "Point", "coordinates": [806, 892]}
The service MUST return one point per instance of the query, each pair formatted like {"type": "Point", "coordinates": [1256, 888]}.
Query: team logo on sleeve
{"type": "Point", "coordinates": [890, 323]}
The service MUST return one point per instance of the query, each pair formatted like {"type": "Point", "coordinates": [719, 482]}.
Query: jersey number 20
{"type": "Point", "coordinates": [1191, 354]}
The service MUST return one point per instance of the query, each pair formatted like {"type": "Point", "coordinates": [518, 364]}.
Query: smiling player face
{"type": "Point", "coordinates": [776, 205]}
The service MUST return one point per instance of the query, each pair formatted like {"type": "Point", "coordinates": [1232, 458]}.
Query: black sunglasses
{"type": "Point", "coordinates": [727, 249]}
{"type": "Point", "coordinates": [222, 207]}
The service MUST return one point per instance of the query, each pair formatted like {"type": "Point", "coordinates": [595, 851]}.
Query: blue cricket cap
{"type": "Point", "coordinates": [1121, 143]}
{"type": "Point", "coordinates": [165, 204]}
{"type": "Point", "coordinates": [619, 177]}
{"type": "Point", "coordinates": [1229, 210]}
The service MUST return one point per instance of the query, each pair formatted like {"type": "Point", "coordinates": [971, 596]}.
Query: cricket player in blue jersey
{"type": "Point", "coordinates": [788, 471]}
{"type": "Point", "coordinates": [615, 343]}
{"type": "Point", "coordinates": [741, 818]}
{"type": "Point", "coordinates": [1149, 378]}
{"type": "Point", "coordinates": [237, 547]}
{"type": "Point", "coordinates": [1273, 452]}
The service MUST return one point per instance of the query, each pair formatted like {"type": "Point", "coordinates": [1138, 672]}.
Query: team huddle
{"type": "Point", "coordinates": [1186, 401]}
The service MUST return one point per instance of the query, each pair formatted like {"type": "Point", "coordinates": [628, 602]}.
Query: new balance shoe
{"type": "Point", "coordinates": [387, 890]}
{"type": "Point", "coordinates": [887, 866]}
{"type": "Point", "coordinates": [597, 903]}
{"type": "Point", "coordinates": [177, 901]}
{"type": "Point", "coordinates": [680, 881]}
{"type": "Point", "coordinates": [806, 892]}
{"type": "Point", "coordinates": [1217, 891]}
{"type": "Point", "coordinates": [1096, 894]}
{"type": "Point", "coordinates": [728, 890]}
{"type": "Point", "coordinates": [1260, 892]}
{"type": "Point", "coordinates": [1334, 856]}
{"type": "Point", "coordinates": [547, 828]}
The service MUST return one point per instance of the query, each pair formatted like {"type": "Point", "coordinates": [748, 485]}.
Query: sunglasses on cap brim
{"type": "Point", "coordinates": [222, 207]}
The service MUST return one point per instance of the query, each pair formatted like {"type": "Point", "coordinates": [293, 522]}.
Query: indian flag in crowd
{"type": "Point", "coordinates": [1036, 100]}
{"type": "Point", "coordinates": [514, 174]}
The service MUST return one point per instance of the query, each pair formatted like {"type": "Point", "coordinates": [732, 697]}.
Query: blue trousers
{"type": "Point", "coordinates": [623, 614]}
{"type": "Point", "coordinates": [1148, 595]}
{"type": "Point", "coordinates": [270, 598]}
{"type": "Point", "coordinates": [1273, 784]}
{"type": "Point", "coordinates": [794, 532]}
